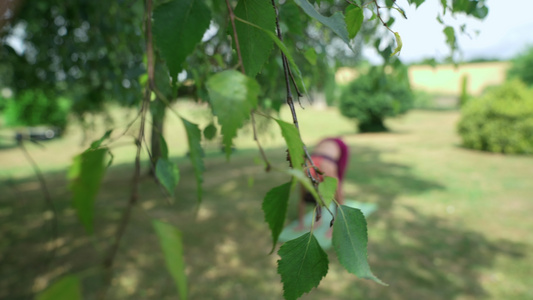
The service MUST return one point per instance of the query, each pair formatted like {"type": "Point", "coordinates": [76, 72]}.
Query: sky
{"type": "Point", "coordinates": [505, 32]}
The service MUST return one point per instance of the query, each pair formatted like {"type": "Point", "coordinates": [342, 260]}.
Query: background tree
{"type": "Point", "coordinates": [377, 95]}
{"type": "Point", "coordinates": [76, 49]}
{"type": "Point", "coordinates": [522, 66]}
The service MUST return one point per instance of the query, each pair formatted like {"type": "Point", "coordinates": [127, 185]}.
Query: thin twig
{"type": "Point", "coordinates": [239, 54]}
{"type": "Point", "coordinates": [153, 167]}
{"type": "Point", "coordinates": [379, 17]}
{"type": "Point", "coordinates": [134, 196]}
{"type": "Point", "coordinates": [263, 154]}
{"type": "Point", "coordinates": [290, 102]}
{"type": "Point", "coordinates": [47, 198]}
{"type": "Point", "coordinates": [128, 126]}
{"type": "Point", "coordinates": [286, 67]}
{"type": "Point", "coordinates": [235, 36]}
{"type": "Point", "coordinates": [295, 86]}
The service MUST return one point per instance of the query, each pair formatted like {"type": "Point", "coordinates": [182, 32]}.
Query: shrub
{"type": "Point", "coordinates": [377, 95]}
{"type": "Point", "coordinates": [522, 67]}
{"type": "Point", "coordinates": [33, 107]}
{"type": "Point", "coordinates": [423, 100]}
{"type": "Point", "coordinates": [500, 121]}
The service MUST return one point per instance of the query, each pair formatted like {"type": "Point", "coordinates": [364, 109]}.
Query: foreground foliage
{"type": "Point", "coordinates": [173, 30]}
{"type": "Point", "coordinates": [499, 121]}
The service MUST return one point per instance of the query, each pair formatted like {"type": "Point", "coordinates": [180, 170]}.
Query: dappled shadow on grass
{"type": "Point", "coordinates": [382, 182]}
{"type": "Point", "coordinates": [421, 256]}
{"type": "Point", "coordinates": [430, 257]}
{"type": "Point", "coordinates": [226, 242]}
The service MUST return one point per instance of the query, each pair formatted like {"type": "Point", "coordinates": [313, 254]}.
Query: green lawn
{"type": "Point", "coordinates": [451, 223]}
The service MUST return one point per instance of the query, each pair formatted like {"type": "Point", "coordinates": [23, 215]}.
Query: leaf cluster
{"type": "Point", "coordinates": [237, 39]}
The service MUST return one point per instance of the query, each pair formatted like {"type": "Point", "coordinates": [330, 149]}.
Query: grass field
{"type": "Point", "coordinates": [451, 223]}
{"type": "Point", "coordinates": [447, 79]}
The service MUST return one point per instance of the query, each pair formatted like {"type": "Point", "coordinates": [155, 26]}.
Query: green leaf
{"type": "Point", "coordinates": [399, 44]}
{"type": "Point", "coordinates": [480, 12]}
{"type": "Point", "coordinates": [233, 96]}
{"type": "Point", "coordinates": [171, 243]}
{"type": "Point", "coordinates": [417, 2]}
{"type": "Point", "coordinates": [450, 36]}
{"type": "Point", "coordinates": [85, 176]}
{"type": "Point", "coordinates": [439, 19]}
{"type": "Point", "coordinates": [294, 68]}
{"type": "Point", "coordinates": [210, 132]}
{"type": "Point", "coordinates": [275, 209]}
{"type": "Point", "coordinates": [66, 288]}
{"type": "Point", "coordinates": [335, 22]}
{"type": "Point", "coordinates": [254, 44]}
{"type": "Point", "coordinates": [444, 4]}
{"type": "Point", "coordinates": [167, 174]}
{"type": "Point", "coordinates": [164, 146]}
{"type": "Point", "coordinates": [302, 266]}
{"type": "Point", "coordinates": [354, 19]}
{"type": "Point", "coordinates": [294, 143]}
{"type": "Point", "coordinates": [290, 14]}
{"type": "Point", "coordinates": [178, 26]}
{"type": "Point", "coordinates": [310, 55]}
{"type": "Point", "coordinates": [96, 144]}
{"type": "Point", "coordinates": [327, 189]}
{"type": "Point", "coordinates": [196, 154]}
{"type": "Point", "coordinates": [390, 21]}
{"type": "Point", "coordinates": [304, 181]}
{"type": "Point", "coordinates": [350, 240]}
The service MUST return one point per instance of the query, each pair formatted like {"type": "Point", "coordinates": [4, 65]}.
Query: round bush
{"type": "Point", "coordinates": [376, 95]}
{"type": "Point", "coordinates": [33, 108]}
{"type": "Point", "coordinates": [499, 121]}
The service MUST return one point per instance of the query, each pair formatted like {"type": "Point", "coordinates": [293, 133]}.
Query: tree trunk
{"type": "Point", "coordinates": [375, 124]}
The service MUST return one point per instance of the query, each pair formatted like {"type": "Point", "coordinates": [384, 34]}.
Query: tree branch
{"type": "Point", "coordinates": [235, 36]}
{"type": "Point", "coordinates": [288, 76]}
{"type": "Point", "coordinates": [134, 196]}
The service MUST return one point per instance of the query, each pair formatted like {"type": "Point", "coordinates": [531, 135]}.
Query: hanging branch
{"type": "Point", "coordinates": [379, 17]}
{"type": "Point", "coordinates": [108, 261]}
{"type": "Point", "coordinates": [288, 77]}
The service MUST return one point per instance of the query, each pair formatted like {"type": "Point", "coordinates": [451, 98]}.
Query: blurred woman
{"type": "Point", "coordinates": [330, 156]}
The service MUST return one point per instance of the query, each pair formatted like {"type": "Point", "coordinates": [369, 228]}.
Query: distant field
{"type": "Point", "coordinates": [447, 79]}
